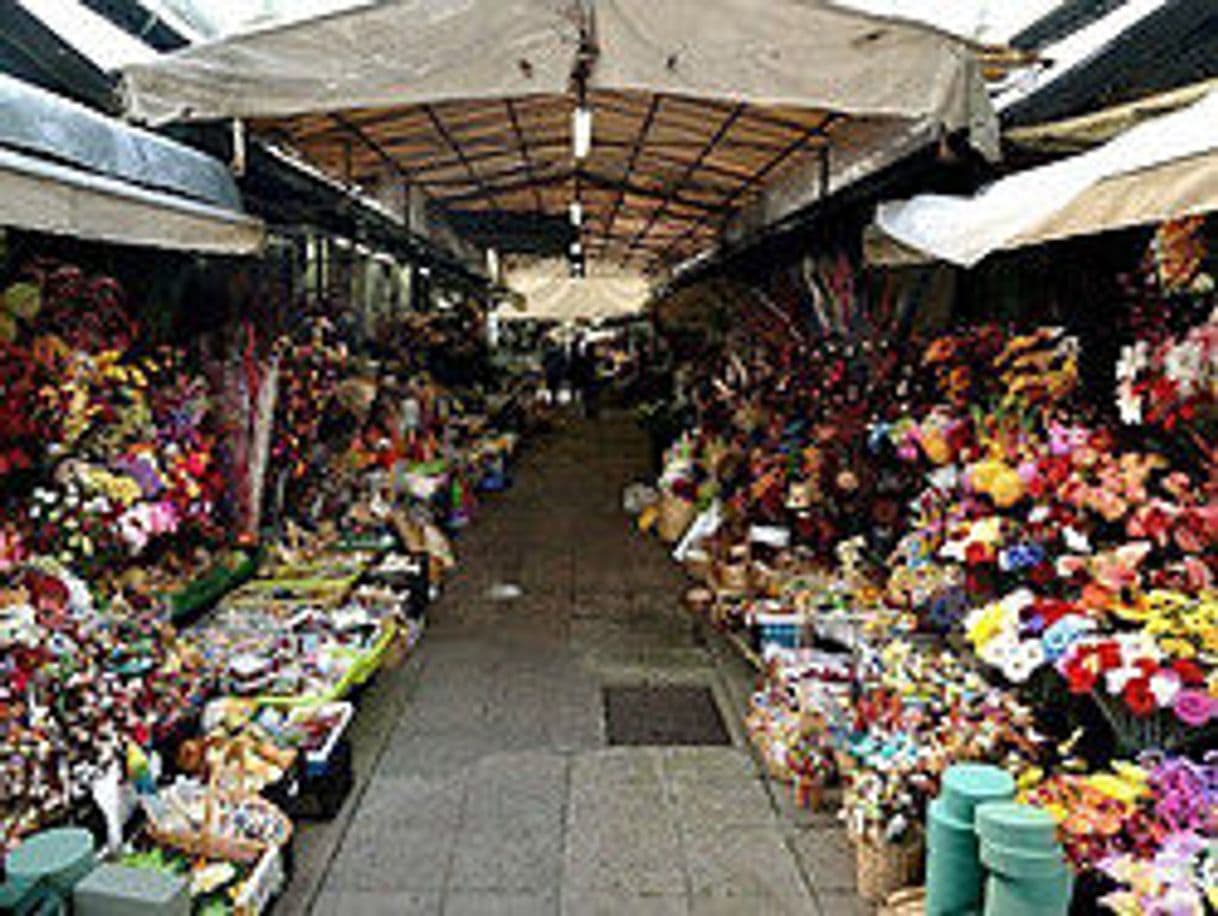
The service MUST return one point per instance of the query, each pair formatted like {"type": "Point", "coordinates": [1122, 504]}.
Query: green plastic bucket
{"type": "Point", "coordinates": [1045, 896]}
{"type": "Point", "coordinates": [1017, 863]}
{"type": "Point", "coordinates": [966, 786]}
{"type": "Point", "coordinates": [954, 876]}
{"type": "Point", "coordinates": [1020, 828]}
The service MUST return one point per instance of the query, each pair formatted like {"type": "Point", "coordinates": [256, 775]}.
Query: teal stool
{"type": "Point", "coordinates": [23, 897]}
{"type": "Point", "coordinates": [1028, 872]}
{"type": "Point", "coordinates": [954, 877]}
{"type": "Point", "coordinates": [57, 859]}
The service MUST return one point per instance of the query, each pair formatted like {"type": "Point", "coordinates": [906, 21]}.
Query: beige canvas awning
{"type": "Point", "coordinates": [699, 105]}
{"type": "Point", "coordinates": [1161, 169]}
{"type": "Point", "coordinates": [45, 196]}
{"type": "Point", "coordinates": [548, 292]}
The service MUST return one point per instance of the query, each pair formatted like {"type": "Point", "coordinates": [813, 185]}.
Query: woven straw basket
{"type": "Point", "coordinates": [882, 868]}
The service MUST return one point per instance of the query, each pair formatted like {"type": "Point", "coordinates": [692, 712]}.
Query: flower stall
{"type": "Point", "coordinates": [942, 551]}
{"type": "Point", "coordinates": [149, 665]}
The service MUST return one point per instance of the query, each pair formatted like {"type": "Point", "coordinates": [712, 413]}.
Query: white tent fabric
{"type": "Point", "coordinates": [1159, 169]}
{"type": "Point", "coordinates": [549, 292]}
{"type": "Point", "coordinates": [59, 199]}
{"type": "Point", "coordinates": [795, 52]}
{"type": "Point", "coordinates": [392, 53]}
{"type": "Point", "coordinates": [786, 52]}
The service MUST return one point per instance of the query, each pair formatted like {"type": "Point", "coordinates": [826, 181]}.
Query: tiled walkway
{"type": "Point", "coordinates": [485, 785]}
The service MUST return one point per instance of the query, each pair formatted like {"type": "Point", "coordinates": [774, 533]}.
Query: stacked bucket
{"type": "Point", "coordinates": [987, 855]}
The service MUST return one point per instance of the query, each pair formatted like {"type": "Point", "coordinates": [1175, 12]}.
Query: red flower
{"type": "Point", "coordinates": [1080, 676]}
{"type": "Point", "coordinates": [1109, 655]}
{"type": "Point", "coordinates": [1138, 698]}
{"type": "Point", "coordinates": [1147, 666]}
{"type": "Point", "coordinates": [1190, 672]}
{"type": "Point", "coordinates": [1042, 573]}
{"type": "Point", "coordinates": [977, 553]}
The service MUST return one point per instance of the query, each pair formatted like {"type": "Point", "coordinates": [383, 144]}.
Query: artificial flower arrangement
{"type": "Point", "coordinates": [78, 684]}
{"type": "Point", "coordinates": [115, 448]}
{"type": "Point", "coordinates": [1149, 829]}
{"type": "Point", "coordinates": [1170, 383]}
{"type": "Point", "coordinates": [926, 711]}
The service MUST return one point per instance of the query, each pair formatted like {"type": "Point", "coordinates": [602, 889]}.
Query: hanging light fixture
{"type": "Point", "coordinates": [581, 131]}
{"type": "Point", "coordinates": [577, 248]}
{"type": "Point", "coordinates": [577, 213]}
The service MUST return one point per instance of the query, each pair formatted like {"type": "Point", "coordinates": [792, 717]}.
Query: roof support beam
{"type": "Point", "coordinates": [380, 152]}
{"type": "Point", "coordinates": [456, 147]}
{"type": "Point", "coordinates": [634, 156]}
{"type": "Point", "coordinates": [724, 126]}
{"type": "Point", "coordinates": [525, 156]}
{"type": "Point", "coordinates": [761, 174]}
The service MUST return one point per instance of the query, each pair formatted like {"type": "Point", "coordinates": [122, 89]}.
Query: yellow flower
{"type": "Point", "coordinates": [1115, 787]}
{"type": "Point", "coordinates": [1177, 647]}
{"type": "Point", "coordinates": [986, 625]}
{"type": "Point", "coordinates": [1137, 612]}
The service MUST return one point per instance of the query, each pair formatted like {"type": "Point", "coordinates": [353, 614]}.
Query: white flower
{"type": "Point", "coordinates": [1022, 663]}
{"type": "Point", "coordinates": [1039, 513]}
{"type": "Point", "coordinates": [1018, 600]}
{"type": "Point", "coordinates": [1165, 685]}
{"type": "Point", "coordinates": [1076, 541]}
{"type": "Point", "coordinates": [1117, 678]}
{"type": "Point", "coordinates": [1129, 404]}
{"type": "Point", "coordinates": [1133, 360]}
{"type": "Point", "coordinates": [1183, 364]}
{"type": "Point", "coordinates": [945, 478]}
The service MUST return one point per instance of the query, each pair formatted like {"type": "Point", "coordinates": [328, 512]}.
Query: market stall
{"type": "Point", "coordinates": [178, 671]}
{"type": "Point", "coordinates": [939, 551]}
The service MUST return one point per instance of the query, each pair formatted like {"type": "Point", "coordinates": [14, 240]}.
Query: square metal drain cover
{"type": "Point", "coordinates": [663, 715]}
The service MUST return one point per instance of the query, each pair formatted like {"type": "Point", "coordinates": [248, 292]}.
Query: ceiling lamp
{"type": "Point", "coordinates": [581, 132]}
{"type": "Point", "coordinates": [577, 214]}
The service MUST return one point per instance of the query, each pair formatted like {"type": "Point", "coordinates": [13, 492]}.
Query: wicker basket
{"type": "Point", "coordinates": [698, 565]}
{"type": "Point", "coordinates": [882, 868]}
{"type": "Point", "coordinates": [908, 902]}
{"type": "Point", "coordinates": [676, 515]}
{"type": "Point", "coordinates": [213, 837]}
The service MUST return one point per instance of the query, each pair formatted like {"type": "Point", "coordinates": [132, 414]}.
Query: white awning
{"type": "Point", "coordinates": [1163, 168]}
{"type": "Point", "coordinates": [45, 196]}
{"type": "Point", "coordinates": [400, 52]}
{"type": "Point", "coordinates": [550, 293]}
{"type": "Point", "coordinates": [803, 53]}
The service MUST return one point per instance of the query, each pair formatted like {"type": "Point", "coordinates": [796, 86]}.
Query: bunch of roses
{"type": "Point", "coordinates": [1133, 669]}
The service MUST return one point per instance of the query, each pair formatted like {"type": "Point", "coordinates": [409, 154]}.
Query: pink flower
{"type": "Point", "coordinates": [1194, 707]}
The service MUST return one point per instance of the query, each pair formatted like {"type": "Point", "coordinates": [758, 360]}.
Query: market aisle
{"type": "Point", "coordinates": [491, 789]}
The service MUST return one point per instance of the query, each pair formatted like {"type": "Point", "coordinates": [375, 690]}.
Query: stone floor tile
{"type": "Point", "coordinates": [768, 905]}
{"type": "Point", "coordinates": [376, 858]}
{"type": "Point", "coordinates": [839, 903]}
{"type": "Point", "coordinates": [601, 903]}
{"type": "Point", "coordinates": [742, 862]}
{"type": "Point", "coordinates": [403, 903]}
{"type": "Point", "coordinates": [508, 857]}
{"type": "Point", "coordinates": [827, 858]}
{"type": "Point", "coordinates": [500, 903]}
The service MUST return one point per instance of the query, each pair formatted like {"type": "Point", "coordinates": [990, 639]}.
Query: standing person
{"type": "Point", "coordinates": [592, 380]}
{"type": "Point", "coordinates": [554, 364]}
